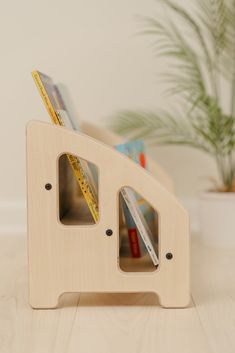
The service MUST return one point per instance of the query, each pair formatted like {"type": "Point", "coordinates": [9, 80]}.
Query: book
{"type": "Point", "coordinates": [134, 207]}
{"type": "Point", "coordinates": [59, 115]}
{"type": "Point", "coordinates": [135, 151]}
{"type": "Point", "coordinates": [141, 224]}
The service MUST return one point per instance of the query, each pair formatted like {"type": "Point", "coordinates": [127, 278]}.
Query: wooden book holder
{"type": "Point", "coordinates": [82, 258]}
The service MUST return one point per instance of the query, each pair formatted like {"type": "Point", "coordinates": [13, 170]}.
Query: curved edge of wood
{"type": "Point", "coordinates": [174, 220]}
{"type": "Point", "coordinates": [110, 138]}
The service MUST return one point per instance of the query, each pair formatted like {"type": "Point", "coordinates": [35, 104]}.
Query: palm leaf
{"type": "Point", "coordinates": [207, 47]}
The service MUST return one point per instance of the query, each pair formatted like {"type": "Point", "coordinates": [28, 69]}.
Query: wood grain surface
{"type": "Point", "coordinates": [100, 323]}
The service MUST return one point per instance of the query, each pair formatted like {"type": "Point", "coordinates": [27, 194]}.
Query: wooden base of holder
{"type": "Point", "coordinates": [67, 257]}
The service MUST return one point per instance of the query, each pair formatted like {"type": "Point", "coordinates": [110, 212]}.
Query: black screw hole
{"type": "Point", "coordinates": [48, 186]}
{"type": "Point", "coordinates": [169, 256]}
{"type": "Point", "coordinates": [109, 232]}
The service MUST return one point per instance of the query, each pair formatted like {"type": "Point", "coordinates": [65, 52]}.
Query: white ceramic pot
{"type": "Point", "coordinates": [217, 219]}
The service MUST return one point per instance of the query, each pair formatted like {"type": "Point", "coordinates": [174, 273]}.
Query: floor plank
{"type": "Point", "coordinates": [101, 323]}
{"type": "Point", "coordinates": [213, 289]}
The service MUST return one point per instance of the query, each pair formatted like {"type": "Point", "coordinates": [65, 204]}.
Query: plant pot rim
{"type": "Point", "coordinates": [217, 195]}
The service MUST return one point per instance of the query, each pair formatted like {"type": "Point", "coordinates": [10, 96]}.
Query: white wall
{"type": "Point", "coordinates": [92, 47]}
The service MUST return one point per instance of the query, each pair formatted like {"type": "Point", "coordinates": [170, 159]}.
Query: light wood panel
{"type": "Point", "coordinates": [105, 323]}
{"type": "Point", "coordinates": [109, 138]}
{"type": "Point", "coordinates": [83, 259]}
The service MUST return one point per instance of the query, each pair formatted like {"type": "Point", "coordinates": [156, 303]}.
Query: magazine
{"type": "Point", "coordinates": [60, 116]}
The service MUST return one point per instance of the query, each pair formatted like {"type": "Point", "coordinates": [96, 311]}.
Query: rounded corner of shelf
{"type": "Point", "coordinates": [30, 124]}
{"type": "Point", "coordinates": [34, 124]}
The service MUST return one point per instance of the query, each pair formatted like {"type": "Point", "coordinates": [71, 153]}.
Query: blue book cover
{"type": "Point", "coordinates": [135, 150]}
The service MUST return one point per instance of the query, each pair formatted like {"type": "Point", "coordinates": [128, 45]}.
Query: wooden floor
{"type": "Point", "coordinates": [115, 323]}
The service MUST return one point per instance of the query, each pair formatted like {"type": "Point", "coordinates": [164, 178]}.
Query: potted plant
{"type": "Point", "coordinates": [200, 49]}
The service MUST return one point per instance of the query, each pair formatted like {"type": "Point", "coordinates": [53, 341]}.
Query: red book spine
{"type": "Point", "coordinates": [134, 242]}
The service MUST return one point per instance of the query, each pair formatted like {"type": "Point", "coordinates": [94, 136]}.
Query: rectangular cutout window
{"type": "Point", "coordinates": [134, 253]}
{"type": "Point", "coordinates": [78, 186]}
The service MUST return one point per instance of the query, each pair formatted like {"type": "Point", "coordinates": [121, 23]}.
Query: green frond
{"type": "Point", "coordinates": [194, 26]}
{"type": "Point", "coordinates": [213, 16]}
{"type": "Point", "coordinates": [198, 57]}
{"type": "Point", "coordinates": [171, 43]}
{"type": "Point", "coordinates": [162, 127]}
